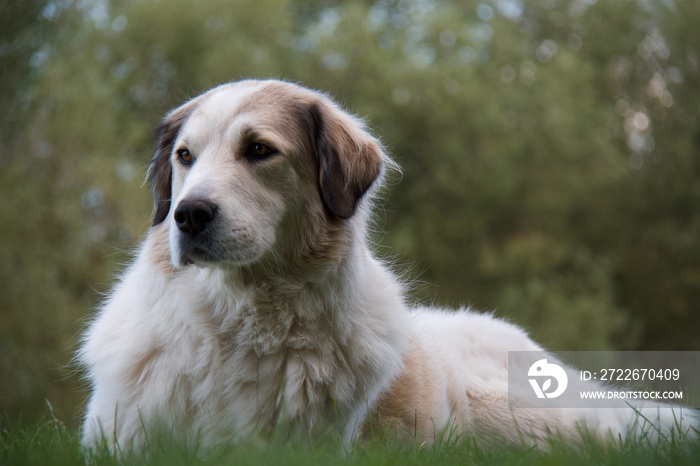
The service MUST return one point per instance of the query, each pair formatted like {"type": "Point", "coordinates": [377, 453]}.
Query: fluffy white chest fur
{"type": "Point", "coordinates": [206, 357]}
{"type": "Point", "coordinates": [255, 302]}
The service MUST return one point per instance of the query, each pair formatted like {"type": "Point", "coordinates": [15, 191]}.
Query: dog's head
{"type": "Point", "coordinates": [256, 168]}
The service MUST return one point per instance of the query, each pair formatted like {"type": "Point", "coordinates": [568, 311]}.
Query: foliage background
{"type": "Point", "coordinates": [550, 153]}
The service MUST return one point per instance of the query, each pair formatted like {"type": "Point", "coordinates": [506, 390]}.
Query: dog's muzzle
{"type": "Point", "coordinates": [194, 219]}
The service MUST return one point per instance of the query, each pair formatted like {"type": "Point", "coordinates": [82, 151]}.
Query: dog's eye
{"type": "Point", "coordinates": [258, 150]}
{"type": "Point", "coordinates": [185, 156]}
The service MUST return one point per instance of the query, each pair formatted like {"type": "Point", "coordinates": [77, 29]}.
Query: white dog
{"type": "Point", "coordinates": [254, 300]}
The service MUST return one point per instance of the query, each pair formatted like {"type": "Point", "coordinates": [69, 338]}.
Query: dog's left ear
{"type": "Point", "coordinates": [349, 159]}
{"type": "Point", "coordinates": [159, 173]}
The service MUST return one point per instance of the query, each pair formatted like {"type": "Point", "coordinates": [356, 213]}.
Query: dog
{"type": "Point", "coordinates": [255, 301]}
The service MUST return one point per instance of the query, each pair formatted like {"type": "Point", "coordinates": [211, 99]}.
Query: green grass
{"type": "Point", "coordinates": [50, 442]}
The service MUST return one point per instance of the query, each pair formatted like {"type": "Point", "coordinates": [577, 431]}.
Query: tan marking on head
{"type": "Point", "coordinates": [348, 159]}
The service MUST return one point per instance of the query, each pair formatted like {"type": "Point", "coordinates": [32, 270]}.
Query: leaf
{"type": "Point", "coordinates": [546, 385]}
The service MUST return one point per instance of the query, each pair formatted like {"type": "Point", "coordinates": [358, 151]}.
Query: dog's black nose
{"type": "Point", "coordinates": [193, 216]}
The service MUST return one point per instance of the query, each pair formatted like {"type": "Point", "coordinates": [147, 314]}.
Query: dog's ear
{"type": "Point", "coordinates": [159, 173]}
{"type": "Point", "coordinates": [349, 159]}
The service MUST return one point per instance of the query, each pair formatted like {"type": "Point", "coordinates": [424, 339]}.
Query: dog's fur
{"type": "Point", "coordinates": [276, 311]}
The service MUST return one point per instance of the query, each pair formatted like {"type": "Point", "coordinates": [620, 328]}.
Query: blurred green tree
{"type": "Point", "coordinates": [25, 25]}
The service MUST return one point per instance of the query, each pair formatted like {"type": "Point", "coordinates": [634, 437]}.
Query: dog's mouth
{"type": "Point", "coordinates": [219, 244]}
{"type": "Point", "coordinates": [198, 255]}
{"type": "Point", "coordinates": [206, 252]}
{"type": "Point", "coordinates": [202, 256]}
{"type": "Point", "coordinates": [198, 251]}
